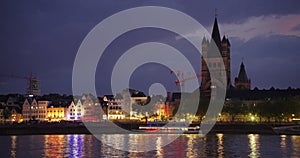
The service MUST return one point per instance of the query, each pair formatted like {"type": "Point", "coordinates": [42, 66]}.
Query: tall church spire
{"type": "Point", "coordinates": [216, 34]}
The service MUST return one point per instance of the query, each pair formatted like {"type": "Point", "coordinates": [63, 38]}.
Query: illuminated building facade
{"type": "Point", "coordinates": [15, 116]}
{"type": "Point", "coordinates": [75, 111]}
{"type": "Point", "coordinates": [91, 109]}
{"type": "Point", "coordinates": [30, 109]}
{"type": "Point", "coordinates": [115, 109]}
{"type": "Point", "coordinates": [55, 114]}
{"type": "Point", "coordinates": [42, 110]}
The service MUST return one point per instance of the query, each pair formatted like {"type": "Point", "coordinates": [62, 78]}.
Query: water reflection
{"type": "Point", "coordinates": [219, 145]}
{"type": "Point", "coordinates": [159, 152]}
{"type": "Point", "coordinates": [283, 144]}
{"type": "Point", "coordinates": [55, 145]}
{"type": "Point", "coordinates": [283, 141]}
{"type": "Point", "coordinates": [75, 143]}
{"type": "Point", "coordinates": [13, 152]}
{"type": "Point", "coordinates": [296, 145]}
{"type": "Point", "coordinates": [254, 145]}
{"type": "Point", "coordinates": [191, 142]}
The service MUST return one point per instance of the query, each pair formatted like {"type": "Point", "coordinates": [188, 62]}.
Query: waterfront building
{"type": "Point", "coordinates": [30, 109]}
{"type": "Point", "coordinates": [115, 107]}
{"type": "Point", "coordinates": [120, 106]}
{"type": "Point", "coordinates": [137, 99]}
{"type": "Point", "coordinates": [11, 113]}
{"type": "Point", "coordinates": [97, 110]}
{"type": "Point", "coordinates": [159, 110]}
{"type": "Point", "coordinates": [75, 111]}
{"type": "Point", "coordinates": [42, 110]}
{"type": "Point", "coordinates": [1, 113]}
{"type": "Point", "coordinates": [242, 82]}
{"type": "Point", "coordinates": [15, 115]}
{"type": "Point", "coordinates": [56, 114]}
{"type": "Point", "coordinates": [89, 108]}
{"type": "Point", "coordinates": [79, 109]}
{"type": "Point", "coordinates": [168, 109]}
{"type": "Point", "coordinates": [35, 110]}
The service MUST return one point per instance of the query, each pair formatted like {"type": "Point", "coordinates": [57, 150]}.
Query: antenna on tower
{"type": "Point", "coordinates": [216, 14]}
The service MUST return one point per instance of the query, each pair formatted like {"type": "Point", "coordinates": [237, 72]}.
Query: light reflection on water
{"type": "Point", "coordinates": [191, 145]}
{"type": "Point", "coordinates": [254, 145]}
{"type": "Point", "coordinates": [13, 152]}
{"type": "Point", "coordinates": [220, 145]}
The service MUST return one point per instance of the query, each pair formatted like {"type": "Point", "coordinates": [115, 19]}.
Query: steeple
{"type": "Point", "coordinates": [242, 81]}
{"type": "Point", "coordinates": [216, 34]}
{"type": "Point", "coordinates": [211, 50]}
{"type": "Point", "coordinates": [242, 74]}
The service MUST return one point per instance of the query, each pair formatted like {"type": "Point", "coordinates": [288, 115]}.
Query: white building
{"type": "Point", "coordinates": [75, 111]}
{"type": "Point", "coordinates": [115, 109]}
{"type": "Point", "coordinates": [33, 110]}
{"type": "Point", "coordinates": [42, 110]}
{"type": "Point", "coordinates": [29, 110]}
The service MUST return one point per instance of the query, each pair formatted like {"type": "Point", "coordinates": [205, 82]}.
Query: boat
{"type": "Point", "coordinates": [170, 128]}
{"type": "Point", "coordinates": [287, 130]}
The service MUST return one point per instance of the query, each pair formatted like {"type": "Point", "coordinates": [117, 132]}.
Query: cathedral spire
{"type": "Point", "coordinates": [216, 34]}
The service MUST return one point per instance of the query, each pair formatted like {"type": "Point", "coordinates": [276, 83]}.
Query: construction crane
{"type": "Point", "coordinates": [181, 81]}
{"type": "Point", "coordinates": [33, 84]}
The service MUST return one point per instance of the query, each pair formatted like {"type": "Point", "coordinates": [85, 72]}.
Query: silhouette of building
{"type": "Point", "coordinates": [211, 61]}
{"type": "Point", "coordinates": [242, 82]}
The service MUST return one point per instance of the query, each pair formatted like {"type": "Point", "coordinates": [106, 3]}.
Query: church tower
{"type": "Point", "coordinates": [242, 82]}
{"type": "Point", "coordinates": [210, 60]}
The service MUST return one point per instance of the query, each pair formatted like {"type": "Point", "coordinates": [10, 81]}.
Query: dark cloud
{"type": "Point", "coordinates": [42, 37]}
{"type": "Point", "coordinates": [270, 61]}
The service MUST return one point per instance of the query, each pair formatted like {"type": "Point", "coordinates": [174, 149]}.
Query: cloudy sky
{"type": "Point", "coordinates": [43, 37]}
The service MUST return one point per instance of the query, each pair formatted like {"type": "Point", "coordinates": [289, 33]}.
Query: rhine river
{"type": "Point", "coordinates": [189, 145]}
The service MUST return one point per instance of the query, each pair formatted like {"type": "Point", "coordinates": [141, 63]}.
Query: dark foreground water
{"type": "Point", "coordinates": [219, 145]}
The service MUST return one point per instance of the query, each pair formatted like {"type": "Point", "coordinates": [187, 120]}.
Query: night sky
{"type": "Point", "coordinates": [43, 37]}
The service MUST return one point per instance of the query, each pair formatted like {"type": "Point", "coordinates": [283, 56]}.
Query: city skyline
{"type": "Point", "coordinates": [43, 39]}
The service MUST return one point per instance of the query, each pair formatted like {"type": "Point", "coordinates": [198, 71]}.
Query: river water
{"type": "Point", "coordinates": [189, 145]}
